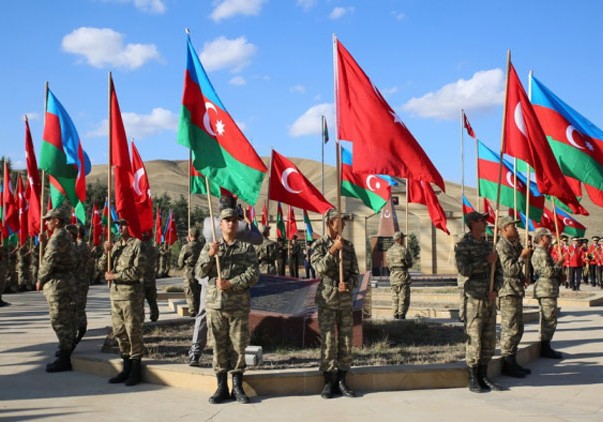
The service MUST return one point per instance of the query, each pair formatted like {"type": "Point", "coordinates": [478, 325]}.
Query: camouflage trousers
{"type": "Point", "coordinates": [267, 267]}
{"type": "Point", "coordinates": [150, 294]}
{"type": "Point", "coordinates": [230, 333]}
{"type": "Point", "coordinates": [81, 299]}
{"type": "Point", "coordinates": [60, 295]}
{"type": "Point", "coordinates": [335, 327]}
{"type": "Point", "coordinates": [126, 319]}
{"type": "Point", "coordinates": [511, 324]}
{"type": "Point", "coordinates": [480, 328]}
{"type": "Point", "coordinates": [24, 279]}
{"type": "Point", "coordinates": [400, 299]}
{"type": "Point", "coordinates": [192, 290]}
{"type": "Point", "coordinates": [548, 317]}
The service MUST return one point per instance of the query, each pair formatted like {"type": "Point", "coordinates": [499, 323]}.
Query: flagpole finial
{"type": "Point", "coordinates": [187, 31]}
{"type": "Point", "coordinates": [25, 117]}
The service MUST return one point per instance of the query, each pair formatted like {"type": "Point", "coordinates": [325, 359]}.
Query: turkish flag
{"type": "Point", "coordinates": [467, 126]}
{"type": "Point", "coordinates": [420, 192]}
{"type": "Point", "coordinates": [22, 207]}
{"type": "Point", "coordinates": [525, 139]}
{"type": "Point", "coordinates": [125, 202]}
{"type": "Point", "coordinates": [158, 229]}
{"type": "Point", "coordinates": [291, 223]}
{"type": "Point", "coordinates": [290, 186]}
{"type": "Point", "coordinates": [142, 192]}
{"type": "Point", "coordinates": [34, 186]}
{"type": "Point", "coordinates": [11, 212]}
{"type": "Point", "coordinates": [382, 143]}
{"type": "Point", "coordinates": [97, 225]}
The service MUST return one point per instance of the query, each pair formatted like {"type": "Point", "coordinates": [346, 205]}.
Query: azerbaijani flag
{"type": "Point", "coordinates": [281, 232]}
{"type": "Point", "coordinates": [198, 185]}
{"type": "Point", "coordinates": [372, 190]}
{"type": "Point", "coordinates": [467, 207]}
{"type": "Point", "coordinates": [309, 231]}
{"type": "Point", "coordinates": [62, 155]}
{"type": "Point", "coordinates": [487, 168]}
{"type": "Point", "coordinates": [575, 141]}
{"type": "Point", "coordinates": [571, 226]}
{"type": "Point", "coordinates": [220, 150]}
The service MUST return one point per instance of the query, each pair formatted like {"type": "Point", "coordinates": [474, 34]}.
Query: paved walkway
{"type": "Point", "coordinates": [567, 390]}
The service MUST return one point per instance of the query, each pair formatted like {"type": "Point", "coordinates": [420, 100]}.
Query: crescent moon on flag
{"type": "Point", "coordinates": [518, 118]}
{"type": "Point", "coordinates": [566, 221]}
{"type": "Point", "coordinates": [386, 214]}
{"type": "Point", "coordinates": [368, 183]}
{"type": "Point", "coordinates": [285, 181]}
{"type": "Point", "coordinates": [510, 180]}
{"type": "Point", "coordinates": [206, 121]}
{"type": "Point", "coordinates": [136, 185]}
{"type": "Point", "coordinates": [569, 134]}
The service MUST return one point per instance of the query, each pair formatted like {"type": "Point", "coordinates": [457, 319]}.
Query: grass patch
{"type": "Point", "coordinates": [386, 343]}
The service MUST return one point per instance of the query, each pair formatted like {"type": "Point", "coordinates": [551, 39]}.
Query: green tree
{"type": "Point", "coordinates": [414, 247]}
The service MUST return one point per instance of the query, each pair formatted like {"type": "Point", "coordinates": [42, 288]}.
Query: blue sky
{"type": "Point", "coordinates": [271, 62]}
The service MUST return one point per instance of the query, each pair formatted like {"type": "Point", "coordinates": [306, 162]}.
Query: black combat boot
{"type": "Point", "coordinates": [327, 391]}
{"type": "Point", "coordinates": [62, 363]}
{"type": "Point", "coordinates": [194, 360]}
{"type": "Point", "coordinates": [237, 389]}
{"type": "Point", "coordinates": [221, 393]}
{"type": "Point", "coordinates": [81, 331]}
{"type": "Point", "coordinates": [547, 352]}
{"type": "Point", "coordinates": [473, 383]}
{"type": "Point", "coordinates": [484, 381]}
{"type": "Point", "coordinates": [510, 367]}
{"type": "Point", "coordinates": [525, 370]}
{"type": "Point", "coordinates": [135, 372]}
{"type": "Point", "coordinates": [343, 387]}
{"type": "Point", "coordinates": [125, 372]}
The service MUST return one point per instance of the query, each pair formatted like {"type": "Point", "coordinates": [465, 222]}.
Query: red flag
{"type": "Point", "coordinates": [289, 185]}
{"type": "Point", "coordinates": [171, 234]}
{"type": "Point", "coordinates": [11, 213]}
{"type": "Point", "coordinates": [420, 192]}
{"type": "Point", "coordinates": [467, 126]}
{"type": "Point", "coordinates": [382, 143]}
{"type": "Point", "coordinates": [73, 217]}
{"type": "Point", "coordinates": [491, 213]}
{"type": "Point", "coordinates": [97, 226]}
{"type": "Point", "coordinates": [291, 223]}
{"type": "Point", "coordinates": [250, 213]}
{"type": "Point", "coordinates": [158, 230]}
{"type": "Point", "coordinates": [525, 139]}
{"type": "Point", "coordinates": [33, 186]}
{"type": "Point", "coordinates": [264, 215]}
{"type": "Point", "coordinates": [125, 202]}
{"type": "Point", "coordinates": [22, 207]}
{"type": "Point", "coordinates": [142, 192]}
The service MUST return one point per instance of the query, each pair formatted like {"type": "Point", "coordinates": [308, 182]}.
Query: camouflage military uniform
{"type": "Point", "coordinates": [228, 311]}
{"type": "Point", "coordinates": [34, 263]}
{"type": "Point", "coordinates": [511, 296]}
{"type": "Point", "coordinates": [546, 290]}
{"type": "Point", "coordinates": [267, 253]}
{"type": "Point", "coordinates": [56, 275]}
{"type": "Point", "coordinates": [294, 251]}
{"type": "Point", "coordinates": [149, 284]}
{"type": "Point", "coordinates": [281, 257]}
{"type": "Point", "coordinates": [164, 260]}
{"type": "Point", "coordinates": [127, 296]}
{"type": "Point", "coordinates": [95, 254]}
{"type": "Point", "coordinates": [335, 309]}
{"type": "Point", "coordinates": [23, 273]}
{"type": "Point", "coordinates": [83, 273]}
{"type": "Point", "coordinates": [3, 271]}
{"type": "Point", "coordinates": [187, 259]}
{"type": "Point", "coordinates": [480, 313]}
{"type": "Point", "coordinates": [398, 262]}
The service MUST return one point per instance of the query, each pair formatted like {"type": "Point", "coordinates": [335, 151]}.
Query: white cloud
{"type": "Point", "coordinates": [148, 6]}
{"type": "Point", "coordinates": [33, 115]}
{"type": "Point", "coordinates": [103, 47]}
{"type": "Point", "coordinates": [390, 91]}
{"type": "Point", "coordinates": [484, 91]}
{"type": "Point", "coordinates": [224, 53]}
{"type": "Point", "coordinates": [306, 4]}
{"type": "Point", "coordinates": [237, 80]}
{"type": "Point", "coordinates": [140, 126]}
{"type": "Point", "coordinates": [310, 123]}
{"type": "Point", "coordinates": [299, 89]}
{"type": "Point", "coordinates": [399, 16]}
{"type": "Point", "coordinates": [339, 12]}
{"type": "Point", "coordinates": [228, 8]}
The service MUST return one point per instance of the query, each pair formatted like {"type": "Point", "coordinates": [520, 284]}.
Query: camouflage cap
{"type": "Point", "coordinates": [229, 213]}
{"type": "Point", "coordinates": [542, 231]}
{"type": "Point", "coordinates": [331, 214]}
{"type": "Point", "coordinates": [194, 232]}
{"type": "Point", "coordinates": [505, 220]}
{"type": "Point", "coordinates": [56, 213]}
{"type": "Point", "coordinates": [122, 222]}
{"type": "Point", "coordinates": [71, 228]}
{"type": "Point", "coordinates": [398, 235]}
{"type": "Point", "coordinates": [475, 216]}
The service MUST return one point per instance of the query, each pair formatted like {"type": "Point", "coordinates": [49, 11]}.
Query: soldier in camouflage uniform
{"type": "Point", "coordinates": [34, 262]}
{"type": "Point", "coordinates": [82, 274]}
{"type": "Point", "coordinates": [281, 256]}
{"type": "Point", "coordinates": [334, 300]}
{"type": "Point", "coordinates": [512, 259]}
{"type": "Point", "coordinates": [188, 259]}
{"type": "Point", "coordinates": [164, 260]}
{"type": "Point", "coordinates": [267, 252]}
{"type": "Point", "coordinates": [398, 262]}
{"type": "Point", "coordinates": [149, 283]}
{"type": "Point", "coordinates": [127, 270]}
{"type": "Point", "coordinates": [474, 259]}
{"type": "Point", "coordinates": [23, 273]}
{"type": "Point", "coordinates": [546, 290]}
{"type": "Point", "coordinates": [3, 272]}
{"type": "Point", "coordinates": [228, 303]}
{"type": "Point", "coordinates": [294, 251]}
{"type": "Point", "coordinates": [56, 278]}
{"type": "Point", "coordinates": [95, 254]}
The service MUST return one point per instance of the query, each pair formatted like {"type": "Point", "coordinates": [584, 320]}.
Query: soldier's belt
{"type": "Point", "coordinates": [331, 283]}
{"type": "Point", "coordinates": [127, 283]}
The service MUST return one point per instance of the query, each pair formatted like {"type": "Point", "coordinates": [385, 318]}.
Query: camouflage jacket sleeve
{"type": "Point", "coordinates": [543, 264]}
{"type": "Point", "coordinates": [509, 255]}
{"type": "Point", "coordinates": [131, 262]}
{"type": "Point", "coordinates": [470, 257]}
{"type": "Point", "coordinates": [247, 260]}
{"type": "Point", "coordinates": [59, 256]}
{"type": "Point", "coordinates": [206, 265]}
{"type": "Point", "coordinates": [327, 265]}
{"type": "Point", "coordinates": [185, 252]}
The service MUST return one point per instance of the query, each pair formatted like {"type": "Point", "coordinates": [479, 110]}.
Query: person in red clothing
{"type": "Point", "coordinates": [576, 263]}
{"type": "Point", "coordinates": [592, 255]}
{"type": "Point", "coordinates": [599, 255]}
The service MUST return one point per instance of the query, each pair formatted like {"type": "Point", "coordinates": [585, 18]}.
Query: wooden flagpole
{"type": "Point", "coordinates": [109, 180]}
